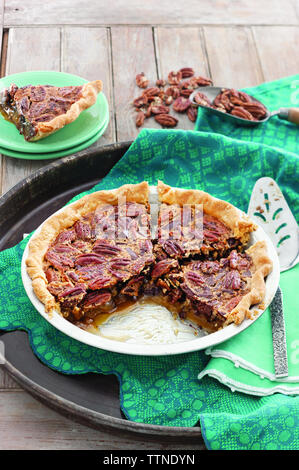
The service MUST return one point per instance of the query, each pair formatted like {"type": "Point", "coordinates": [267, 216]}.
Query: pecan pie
{"type": "Point", "coordinates": [97, 254]}
{"type": "Point", "coordinates": [38, 111]}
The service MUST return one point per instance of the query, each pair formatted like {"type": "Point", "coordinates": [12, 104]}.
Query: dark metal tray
{"type": "Point", "coordinates": [92, 399]}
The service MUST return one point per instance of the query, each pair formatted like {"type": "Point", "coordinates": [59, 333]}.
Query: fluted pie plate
{"type": "Point", "coordinates": [192, 342]}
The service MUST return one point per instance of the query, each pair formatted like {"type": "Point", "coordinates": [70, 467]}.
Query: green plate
{"type": "Point", "coordinates": [61, 153]}
{"type": "Point", "coordinates": [82, 129]}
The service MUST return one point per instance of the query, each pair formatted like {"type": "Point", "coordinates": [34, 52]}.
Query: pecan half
{"type": "Point", "coordinates": [173, 91]}
{"type": "Point", "coordinates": [181, 104]}
{"type": "Point", "coordinates": [174, 78]}
{"type": "Point", "coordinates": [187, 72]}
{"type": "Point", "coordinates": [202, 81]}
{"type": "Point", "coordinates": [166, 120]}
{"type": "Point", "coordinates": [241, 112]}
{"type": "Point", "coordinates": [159, 109]}
{"type": "Point", "coordinates": [140, 118]}
{"type": "Point", "coordinates": [192, 113]}
{"type": "Point", "coordinates": [163, 267]}
{"type": "Point", "coordinates": [141, 80]}
{"type": "Point", "coordinates": [153, 91]}
{"type": "Point", "coordinates": [202, 99]}
{"type": "Point", "coordinates": [140, 101]}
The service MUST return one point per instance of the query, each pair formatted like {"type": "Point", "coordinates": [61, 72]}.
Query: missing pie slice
{"type": "Point", "coordinates": [97, 255]}
{"type": "Point", "coordinates": [38, 111]}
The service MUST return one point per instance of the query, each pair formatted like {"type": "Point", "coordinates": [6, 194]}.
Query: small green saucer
{"type": "Point", "coordinates": [61, 153]}
{"type": "Point", "coordinates": [86, 126]}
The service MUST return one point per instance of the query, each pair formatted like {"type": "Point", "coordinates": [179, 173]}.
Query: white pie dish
{"type": "Point", "coordinates": [156, 349]}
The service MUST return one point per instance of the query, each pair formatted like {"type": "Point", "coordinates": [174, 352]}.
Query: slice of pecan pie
{"type": "Point", "coordinates": [213, 293]}
{"type": "Point", "coordinates": [94, 254]}
{"type": "Point", "coordinates": [38, 111]}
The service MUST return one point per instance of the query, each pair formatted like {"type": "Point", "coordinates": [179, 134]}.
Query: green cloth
{"type": "Point", "coordinates": [239, 363]}
{"type": "Point", "coordinates": [166, 390]}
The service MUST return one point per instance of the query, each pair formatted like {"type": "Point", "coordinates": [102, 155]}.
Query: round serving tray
{"type": "Point", "coordinates": [92, 399]}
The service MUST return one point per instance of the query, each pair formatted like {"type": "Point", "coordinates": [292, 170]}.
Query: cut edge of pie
{"type": "Point", "coordinates": [39, 244]}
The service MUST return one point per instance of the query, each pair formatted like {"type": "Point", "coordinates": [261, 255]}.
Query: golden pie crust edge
{"type": "Point", "coordinates": [263, 266]}
{"type": "Point", "coordinates": [39, 244]}
{"type": "Point", "coordinates": [89, 95]}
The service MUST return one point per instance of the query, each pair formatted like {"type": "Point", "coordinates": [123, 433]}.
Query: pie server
{"type": "Point", "coordinates": [270, 210]}
{"type": "Point", "coordinates": [288, 114]}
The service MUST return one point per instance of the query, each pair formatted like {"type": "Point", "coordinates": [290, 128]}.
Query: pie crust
{"type": "Point", "coordinates": [159, 271]}
{"type": "Point", "coordinates": [54, 107]}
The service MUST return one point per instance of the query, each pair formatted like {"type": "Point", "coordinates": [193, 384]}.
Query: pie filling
{"type": "Point", "coordinates": [25, 107]}
{"type": "Point", "coordinates": [107, 260]}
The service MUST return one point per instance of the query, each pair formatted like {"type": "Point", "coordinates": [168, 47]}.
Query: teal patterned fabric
{"type": "Point", "coordinates": [165, 390]}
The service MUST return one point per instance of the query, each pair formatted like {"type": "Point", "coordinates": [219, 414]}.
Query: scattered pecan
{"type": "Point", "coordinates": [152, 91]}
{"type": "Point", "coordinates": [202, 81]}
{"type": "Point", "coordinates": [181, 104]}
{"type": "Point", "coordinates": [168, 100]}
{"type": "Point", "coordinates": [140, 118]}
{"type": "Point", "coordinates": [187, 72]}
{"type": "Point", "coordinates": [156, 100]}
{"type": "Point", "coordinates": [160, 109]}
{"type": "Point", "coordinates": [186, 92]}
{"type": "Point", "coordinates": [173, 91]}
{"type": "Point", "coordinates": [141, 80]}
{"type": "Point", "coordinates": [174, 78]}
{"type": "Point", "coordinates": [140, 101]}
{"type": "Point", "coordinates": [166, 120]}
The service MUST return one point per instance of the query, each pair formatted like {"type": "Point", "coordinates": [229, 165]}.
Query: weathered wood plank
{"type": "Point", "coordinates": [101, 12]}
{"type": "Point", "coordinates": [44, 47]}
{"type": "Point", "coordinates": [125, 67]}
{"type": "Point", "coordinates": [177, 48]}
{"type": "Point", "coordinates": [6, 382]}
{"type": "Point", "coordinates": [232, 56]}
{"type": "Point", "coordinates": [87, 52]}
{"type": "Point", "coordinates": [278, 50]}
{"type": "Point", "coordinates": [26, 424]}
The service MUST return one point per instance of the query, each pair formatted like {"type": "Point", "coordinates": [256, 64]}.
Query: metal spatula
{"type": "Point", "coordinates": [270, 210]}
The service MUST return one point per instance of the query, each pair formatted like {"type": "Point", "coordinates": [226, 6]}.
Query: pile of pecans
{"type": "Point", "coordinates": [234, 102]}
{"type": "Point", "coordinates": [156, 100]}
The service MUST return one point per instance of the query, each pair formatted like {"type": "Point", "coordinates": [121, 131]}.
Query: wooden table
{"type": "Point", "coordinates": [237, 43]}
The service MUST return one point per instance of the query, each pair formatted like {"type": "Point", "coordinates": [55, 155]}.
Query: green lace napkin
{"type": "Point", "coordinates": [166, 390]}
{"type": "Point", "coordinates": [245, 362]}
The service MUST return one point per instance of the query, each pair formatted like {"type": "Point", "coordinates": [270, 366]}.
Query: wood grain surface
{"type": "Point", "coordinates": [237, 43]}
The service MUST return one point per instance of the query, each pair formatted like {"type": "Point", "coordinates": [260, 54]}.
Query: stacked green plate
{"type": "Point", "coordinates": [78, 135]}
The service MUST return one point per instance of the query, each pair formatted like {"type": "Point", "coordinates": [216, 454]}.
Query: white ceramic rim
{"type": "Point", "coordinates": [63, 325]}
